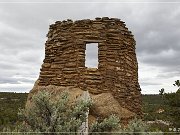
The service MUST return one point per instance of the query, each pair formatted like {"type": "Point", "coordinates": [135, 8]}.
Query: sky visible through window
{"type": "Point", "coordinates": [91, 55]}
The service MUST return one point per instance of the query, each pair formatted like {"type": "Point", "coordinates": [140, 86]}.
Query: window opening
{"type": "Point", "coordinates": [91, 55]}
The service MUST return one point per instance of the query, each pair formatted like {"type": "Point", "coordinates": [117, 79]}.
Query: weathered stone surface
{"type": "Point", "coordinates": [105, 104]}
{"type": "Point", "coordinates": [117, 72]}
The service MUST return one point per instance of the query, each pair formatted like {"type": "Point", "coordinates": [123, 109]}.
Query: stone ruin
{"type": "Point", "coordinates": [117, 71]}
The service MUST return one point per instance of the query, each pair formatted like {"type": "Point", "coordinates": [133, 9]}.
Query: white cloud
{"type": "Point", "coordinates": [152, 79]}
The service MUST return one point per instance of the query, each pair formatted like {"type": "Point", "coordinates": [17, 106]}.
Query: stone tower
{"type": "Point", "coordinates": [117, 71]}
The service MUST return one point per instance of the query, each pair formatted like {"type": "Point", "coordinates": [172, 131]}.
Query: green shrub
{"type": "Point", "coordinates": [47, 115]}
{"type": "Point", "coordinates": [107, 125]}
{"type": "Point", "coordinates": [53, 116]}
{"type": "Point", "coordinates": [138, 127]}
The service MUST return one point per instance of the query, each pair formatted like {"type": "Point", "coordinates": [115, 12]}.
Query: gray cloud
{"type": "Point", "coordinates": [149, 83]}
{"type": "Point", "coordinates": [23, 29]}
{"type": "Point", "coordinates": [8, 80]}
{"type": "Point", "coordinates": [15, 80]}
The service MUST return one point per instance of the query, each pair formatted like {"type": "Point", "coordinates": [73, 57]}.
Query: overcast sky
{"type": "Point", "coordinates": [24, 25]}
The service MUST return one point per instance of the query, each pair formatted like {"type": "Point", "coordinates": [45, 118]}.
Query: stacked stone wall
{"type": "Point", "coordinates": [117, 71]}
